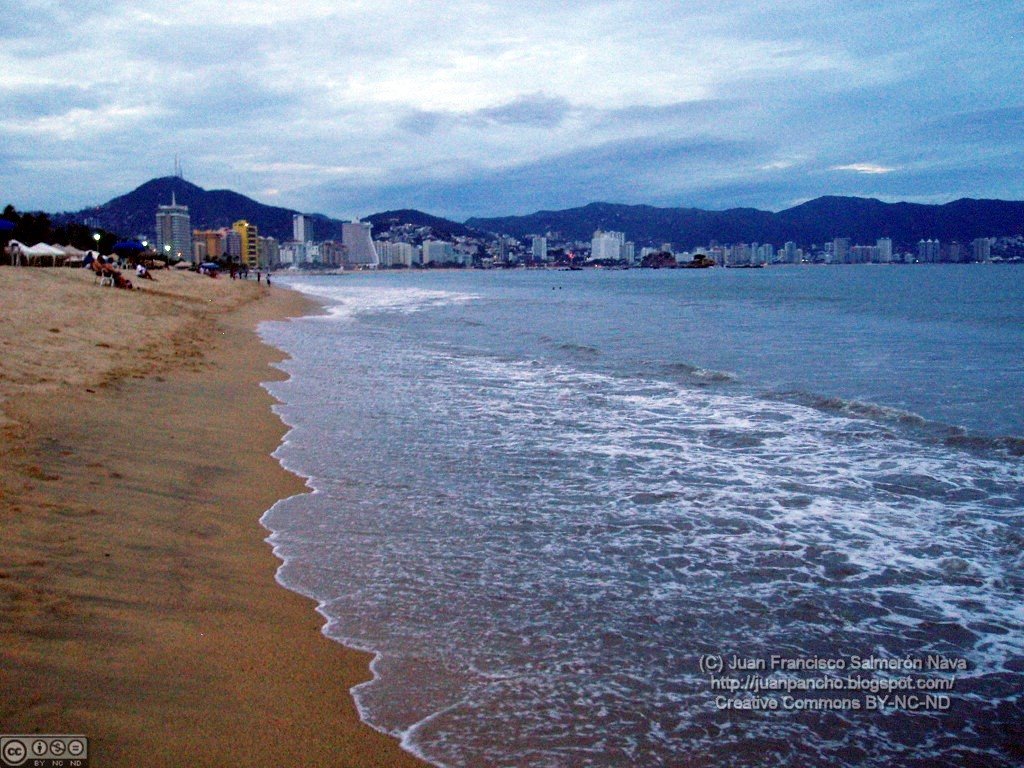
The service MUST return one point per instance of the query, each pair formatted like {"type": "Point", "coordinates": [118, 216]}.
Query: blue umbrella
{"type": "Point", "coordinates": [128, 246]}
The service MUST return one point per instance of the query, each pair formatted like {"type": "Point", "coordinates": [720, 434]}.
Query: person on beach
{"type": "Point", "coordinates": [268, 279]}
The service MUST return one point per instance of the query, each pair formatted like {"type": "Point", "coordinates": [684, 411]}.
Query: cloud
{"type": "Point", "coordinates": [472, 106]}
{"type": "Point", "coordinates": [871, 168]}
{"type": "Point", "coordinates": [632, 171]}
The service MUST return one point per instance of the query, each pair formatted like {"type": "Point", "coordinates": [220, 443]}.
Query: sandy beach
{"type": "Point", "coordinates": [138, 604]}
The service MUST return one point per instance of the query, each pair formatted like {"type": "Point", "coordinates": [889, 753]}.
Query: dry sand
{"type": "Point", "coordinates": [137, 597]}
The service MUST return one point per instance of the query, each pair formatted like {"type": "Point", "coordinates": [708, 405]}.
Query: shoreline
{"type": "Point", "coordinates": [139, 600]}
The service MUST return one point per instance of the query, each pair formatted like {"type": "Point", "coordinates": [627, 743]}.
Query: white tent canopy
{"type": "Point", "coordinates": [19, 251]}
{"type": "Point", "coordinates": [39, 249]}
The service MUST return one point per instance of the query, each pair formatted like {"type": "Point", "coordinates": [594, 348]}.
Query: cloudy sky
{"type": "Point", "coordinates": [473, 107]}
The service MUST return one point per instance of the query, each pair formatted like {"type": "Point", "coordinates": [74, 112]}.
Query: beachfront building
{"type": "Point", "coordinates": [840, 250]}
{"type": "Point", "coordinates": [174, 231]}
{"type": "Point", "coordinates": [210, 242]}
{"type": "Point", "coordinates": [291, 254]}
{"type": "Point", "coordinates": [355, 235]}
{"type": "Point", "coordinates": [629, 252]}
{"type": "Point", "coordinates": [982, 249]}
{"type": "Point", "coordinates": [248, 241]}
{"type": "Point", "coordinates": [884, 246]}
{"type": "Point", "coordinates": [233, 246]}
{"type": "Point", "coordinates": [332, 253]}
{"type": "Point", "coordinates": [607, 245]}
{"type": "Point", "coordinates": [269, 251]}
{"type": "Point", "coordinates": [539, 248]}
{"type": "Point", "coordinates": [395, 254]}
{"type": "Point", "coordinates": [302, 228]}
{"type": "Point", "coordinates": [928, 251]}
{"type": "Point", "coordinates": [764, 253]}
{"type": "Point", "coordinates": [437, 252]}
{"type": "Point", "coordinates": [403, 254]}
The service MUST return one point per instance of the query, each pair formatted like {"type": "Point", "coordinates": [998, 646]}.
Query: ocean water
{"type": "Point", "coordinates": [546, 500]}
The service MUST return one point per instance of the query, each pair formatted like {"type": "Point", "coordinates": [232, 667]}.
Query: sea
{"type": "Point", "coordinates": [608, 517]}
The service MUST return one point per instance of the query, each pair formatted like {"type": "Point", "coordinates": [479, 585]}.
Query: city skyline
{"type": "Point", "coordinates": [482, 110]}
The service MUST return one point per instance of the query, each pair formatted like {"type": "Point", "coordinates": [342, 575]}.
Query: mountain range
{"type": "Point", "coordinates": [817, 221]}
{"type": "Point", "coordinates": [135, 212]}
{"type": "Point", "coordinates": [863, 220]}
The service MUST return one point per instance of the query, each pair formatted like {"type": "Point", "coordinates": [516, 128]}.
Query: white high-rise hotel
{"type": "Point", "coordinates": [539, 248]}
{"type": "Point", "coordinates": [355, 236]}
{"type": "Point", "coordinates": [174, 231]}
{"type": "Point", "coordinates": [607, 245]}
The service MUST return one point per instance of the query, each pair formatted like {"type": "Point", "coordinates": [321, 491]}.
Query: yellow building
{"type": "Point", "coordinates": [250, 253]}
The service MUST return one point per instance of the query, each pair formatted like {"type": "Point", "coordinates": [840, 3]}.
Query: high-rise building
{"type": "Point", "coordinates": [355, 235]}
{"type": "Point", "coordinates": [884, 246]}
{"type": "Point", "coordinates": [437, 252]}
{"type": "Point", "coordinates": [292, 253]}
{"type": "Point", "coordinates": [841, 250]}
{"type": "Point", "coordinates": [982, 248]}
{"type": "Point", "coordinates": [403, 253]}
{"type": "Point", "coordinates": [790, 252]}
{"type": "Point", "coordinates": [628, 252]}
{"type": "Point", "coordinates": [302, 228]}
{"type": "Point", "coordinates": [394, 254]}
{"type": "Point", "coordinates": [928, 251]}
{"type": "Point", "coordinates": [233, 246]}
{"type": "Point", "coordinates": [738, 254]}
{"type": "Point", "coordinates": [332, 253]}
{"type": "Point", "coordinates": [539, 248]}
{"type": "Point", "coordinates": [249, 248]}
{"type": "Point", "coordinates": [212, 241]}
{"type": "Point", "coordinates": [607, 245]}
{"type": "Point", "coordinates": [269, 251]}
{"type": "Point", "coordinates": [174, 231]}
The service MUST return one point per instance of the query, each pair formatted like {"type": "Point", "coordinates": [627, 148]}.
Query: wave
{"type": "Point", "coordinates": [697, 374]}
{"type": "Point", "coordinates": [580, 349]}
{"type": "Point", "coordinates": [347, 300]}
{"type": "Point", "coordinates": [932, 431]}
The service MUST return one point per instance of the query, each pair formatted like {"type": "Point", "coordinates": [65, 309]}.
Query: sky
{"type": "Point", "coordinates": [476, 108]}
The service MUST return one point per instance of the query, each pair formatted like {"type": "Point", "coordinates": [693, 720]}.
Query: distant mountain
{"type": "Point", "coordinates": [135, 212]}
{"type": "Point", "coordinates": [816, 221]}
{"type": "Point", "coordinates": [441, 227]}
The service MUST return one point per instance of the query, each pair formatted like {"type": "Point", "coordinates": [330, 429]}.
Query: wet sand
{"type": "Point", "coordinates": [138, 604]}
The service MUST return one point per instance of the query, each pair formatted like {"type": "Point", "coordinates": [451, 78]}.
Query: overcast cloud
{"type": "Point", "coordinates": [481, 108]}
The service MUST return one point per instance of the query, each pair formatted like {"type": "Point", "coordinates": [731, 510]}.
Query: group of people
{"type": "Point", "coordinates": [105, 270]}
{"type": "Point", "coordinates": [242, 273]}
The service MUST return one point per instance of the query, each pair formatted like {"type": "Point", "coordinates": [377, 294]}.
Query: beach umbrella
{"type": "Point", "coordinates": [6, 228]}
{"type": "Point", "coordinates": [128, 247]}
